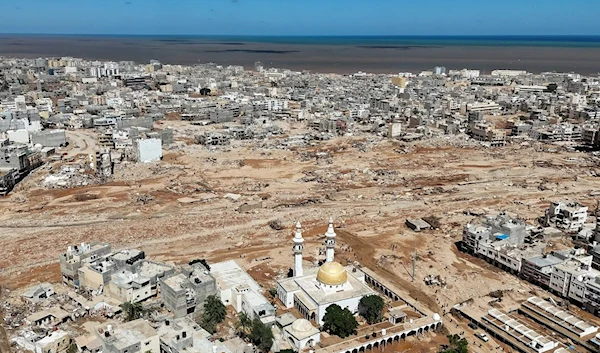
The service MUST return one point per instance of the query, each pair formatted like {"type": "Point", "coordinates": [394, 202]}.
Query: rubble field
{"type": "Point", "coordinates": [242, 202]}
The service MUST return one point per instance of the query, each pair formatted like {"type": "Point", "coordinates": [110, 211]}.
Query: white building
{"type": "Point", "coordinates": [148, 150]}
{"type": "Point", "coordinates": [465, 73]}
{"type": "Point", "coordinates": [130, 287]}
{"type": "Point", "coordinates": [519, 330]}
{"type": "Point", "coordinates": [18, 136]}
{"type": "Point", "coordinates": [569, 216]}
{"type": "Point", "coordinates": [483, 107]}
{"type": "Point", "coordinates": [239, 290]}
{"type": "Point", "coordinates": [301, 334]}
{"type": "Point", "coordinates": [313, 291]}
{"type": "Point", "coordinates": [135, 336]}
{"type": "Point", "coordinates": [569, 279]}
{"type": "Point", "coordinates": [508, 73]}
{"type": "Point", "coordinates": [55, 342]}
{"type": "Point", "coordinates": [560, 317]}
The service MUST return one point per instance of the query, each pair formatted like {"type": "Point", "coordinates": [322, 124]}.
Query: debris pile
{"type": "Point", "coordinates": [70, 176]}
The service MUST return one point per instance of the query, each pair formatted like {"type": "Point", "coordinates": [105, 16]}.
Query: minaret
{"type": "Point", "coordinates": [330, 242]}
{"type": "Point", "coordinates": [298, 247]}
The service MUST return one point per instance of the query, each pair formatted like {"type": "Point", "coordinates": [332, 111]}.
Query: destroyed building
{"type": "Point", "coordinates": [569, 216]}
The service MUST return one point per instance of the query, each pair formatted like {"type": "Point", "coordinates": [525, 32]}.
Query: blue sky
{"type": "Point", "coordinates": [301, 17]}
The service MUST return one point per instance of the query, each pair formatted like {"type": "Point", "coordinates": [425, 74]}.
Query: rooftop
{"type": "Point", "coordinates": [129, 333]}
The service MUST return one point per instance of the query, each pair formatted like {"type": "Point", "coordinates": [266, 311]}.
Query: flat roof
{"type": "Point", "coordinates": [32, 290]}
{"type": "Point", "coordinates": [175, 282]}
{"type": "Point", "coordinates": [52, 337]}
{"type": "Point", "coordinates": [130, 333]}
{"type": "Point", "coordinates": [125, 279]}
{"type": "Point", "coordinates": [125, 255]}
{"type": "Point", "coordinates": [520, 331]}
{"type": "Point", "coordinates": [55, 311]}
{"type": "Point", "coordinates": [286, 319]}
{"type": "Point", "coordinates": [562, 317]}
{"type": "Point", "coordinates": [545, 260]}
{"type": "Point", "coordinates": [152, 269]}
{"type": "Point", "coordinates": [230, 275]}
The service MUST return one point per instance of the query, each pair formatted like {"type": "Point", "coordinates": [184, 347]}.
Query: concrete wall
{"type": "Point", "coordinates": [175, 300]}
{"type": "Point", "coordinates": [148, 150]}
{"type": "Point", "coordinates": [139, 122]}
{"type": "Point", "coordinates": [50, 138]}
{"type": "Point", "coordinates": [18, 136]}
{"type": "Point", "coordinates": [90, 279]}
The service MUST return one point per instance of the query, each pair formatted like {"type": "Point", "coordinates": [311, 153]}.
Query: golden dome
{"type": "Point", "coordinates": [332, 273]}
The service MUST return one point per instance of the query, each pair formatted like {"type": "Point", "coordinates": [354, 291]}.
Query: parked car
{"type": "Point", "coordinates": [473, 325]}
{"type": "Point", "coordinates": [482, 336]}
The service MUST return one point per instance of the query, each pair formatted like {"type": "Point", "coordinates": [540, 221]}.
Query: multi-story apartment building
{"type": "Point", "coordinates": [77, 256]}
{"type": "Point", "coordinates": [569, 216]}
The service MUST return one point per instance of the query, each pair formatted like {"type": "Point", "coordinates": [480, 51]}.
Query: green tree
{"type": "Point", "coordinates": [261, 335]}
{"type": "Point", "coordinates": [456, 344]}
{"type": "Point", "coordinates": [132, 311]}
{"type": "Point", "coordinates": [339, 322]}
{"type": "Point", "coordinates": [73, 348]}
{"type": "Point", "coordinates": [244, 325]}
{"type": "Point", "coordinates": [214, 310]}
{"type": "Point", "coordinates": [371, 308]}
{"type": "Point", "coordinates": [209, 326]}
{"type": "Point", "coordinates": [214, 313]}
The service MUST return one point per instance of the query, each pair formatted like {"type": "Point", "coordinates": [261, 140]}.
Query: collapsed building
{"type": "Point", "coordinates": [569, 216]}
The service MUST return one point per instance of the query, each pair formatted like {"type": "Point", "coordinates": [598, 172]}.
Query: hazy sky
{"type": "Point", "coordinates": [298, 17]}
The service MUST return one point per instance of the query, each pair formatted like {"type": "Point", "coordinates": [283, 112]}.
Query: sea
{"type": "Point", "coordinates": [326, 54]}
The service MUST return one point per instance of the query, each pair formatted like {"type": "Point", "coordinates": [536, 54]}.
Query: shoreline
{"type": "Point", "coordinates": [342, 59]}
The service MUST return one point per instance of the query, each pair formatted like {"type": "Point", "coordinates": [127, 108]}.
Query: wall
{"type": "Point", "coordinates": [174, 300]}
{"type": "Point", "coordinates": [149, 150]}
{"type": "Point", "coordinates": [351, 304]}
{"type": "Point", "coordinates": [90, 279]}
{"type": "Point", "coordinates": [50, 138]}
{"type": "Point", "coordinates": [18, 136]}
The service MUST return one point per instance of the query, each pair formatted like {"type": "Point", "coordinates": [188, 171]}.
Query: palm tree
{"type": "Point", "coordinates": [214, 310]}
{"type": "Point", "coordinates": [132, 311]}
{"type": "Point", "coordinates": [244, 325]}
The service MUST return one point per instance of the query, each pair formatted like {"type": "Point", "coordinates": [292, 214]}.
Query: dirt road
{"type": "Point", "coordinates": [80, 142]}
{"type": "Point", "coordinates": [366, 252]}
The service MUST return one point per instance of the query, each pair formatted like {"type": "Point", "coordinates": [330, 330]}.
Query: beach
{"type": "Point", "coordinates": [318, 56]}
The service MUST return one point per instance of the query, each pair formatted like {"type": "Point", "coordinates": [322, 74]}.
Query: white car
{"type": "Point", "coordinates": [483, 337]}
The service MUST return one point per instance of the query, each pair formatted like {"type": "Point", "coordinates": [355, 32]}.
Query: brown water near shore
{"type": "Point", "coordinates": [318, 58]}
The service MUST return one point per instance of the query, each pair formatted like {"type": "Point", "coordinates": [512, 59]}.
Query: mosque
{"type": "Point", "coordinates": [331, 283]}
